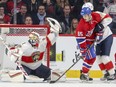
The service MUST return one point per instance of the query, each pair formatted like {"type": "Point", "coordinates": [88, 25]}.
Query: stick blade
{"type": "Point", "coordinates": [51, 82]}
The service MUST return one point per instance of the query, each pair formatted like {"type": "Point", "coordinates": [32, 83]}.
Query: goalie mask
{"type": "Point", "coordinates": [34, 38]}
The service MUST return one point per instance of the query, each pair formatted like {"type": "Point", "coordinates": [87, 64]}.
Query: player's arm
{"type": "Point", "coordinates": [81, 39]}
{"type": "Point", "coordinates": [103, 21]}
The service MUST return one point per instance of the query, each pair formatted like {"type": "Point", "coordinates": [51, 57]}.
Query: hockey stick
{"type": "Point", "coordinates": [17, 62]}
{"type": "Point", "coordinates": [77, 58]}
{"type": "Point", "coordinates": [74, 62]}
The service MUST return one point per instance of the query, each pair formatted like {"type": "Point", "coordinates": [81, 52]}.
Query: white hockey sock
{"type": "Point", "coordinates": [99, 61]}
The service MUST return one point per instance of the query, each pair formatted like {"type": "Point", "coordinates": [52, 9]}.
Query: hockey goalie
{"type": "Point", "coordinates": [30, 54]}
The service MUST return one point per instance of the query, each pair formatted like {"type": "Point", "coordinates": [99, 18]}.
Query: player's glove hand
{"type": "Point", "coordinates": [99, 36]}
{"type": "Point", "coordinates": [84, 53]}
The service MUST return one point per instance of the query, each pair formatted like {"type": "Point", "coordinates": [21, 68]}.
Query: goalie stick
{"type": "Point", "coordinates": [77, 58]}
{"type": "Point", "coordinates": [17, 62]}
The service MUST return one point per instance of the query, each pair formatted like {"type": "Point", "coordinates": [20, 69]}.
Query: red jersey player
{"type": "Point", "coordinates": [94, 27]}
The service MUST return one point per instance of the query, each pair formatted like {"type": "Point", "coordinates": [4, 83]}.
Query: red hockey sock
{"type": "Point", "coordinates": [102, 66]}
{"type": "Point", "coordinates": [85, 70]}
{"type": "Point", "coordinates": [87, 65]}
{"type": "Point", "coordinates": [109, 65]}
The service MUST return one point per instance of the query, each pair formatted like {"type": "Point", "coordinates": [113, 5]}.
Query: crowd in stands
{"type": "Point", "coordinates": [67, 12]}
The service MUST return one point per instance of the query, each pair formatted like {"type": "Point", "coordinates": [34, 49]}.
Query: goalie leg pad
{"type": "Point", "coordinates": [12, 76]}
{"type": "Point", "coordinates": [55, 74]}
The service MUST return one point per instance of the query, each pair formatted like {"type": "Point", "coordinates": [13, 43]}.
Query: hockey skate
{"type": "Point", "coordinates": [104, 77]}
{"type": "Point", "coordinates": [84, 77]}
{"type": "Point", "coordinates": [111, 77]}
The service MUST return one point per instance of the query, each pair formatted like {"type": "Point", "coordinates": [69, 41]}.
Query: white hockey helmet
{"type": "Point", "coordinates": [54, 24]}
{"type": "Point", "coordinates": [34, 38]}
{"type": "Point", "coordinates": [88, 4]}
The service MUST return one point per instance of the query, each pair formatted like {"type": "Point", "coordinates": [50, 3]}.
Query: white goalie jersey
{"type": "Point", "coordinates": [30, 56]}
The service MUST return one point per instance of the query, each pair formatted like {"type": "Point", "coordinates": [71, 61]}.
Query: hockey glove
{"type": "Point", "coordinates": [99, 36]}
{"type": "Point", "coordinates": [99, 27]}
{"type": "Point", "coordinates": [84, 53]}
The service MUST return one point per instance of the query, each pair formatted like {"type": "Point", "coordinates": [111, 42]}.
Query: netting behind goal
{"type": "Point", "coordinates": [18, 34]}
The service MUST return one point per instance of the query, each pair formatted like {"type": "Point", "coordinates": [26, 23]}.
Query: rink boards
{"type": "Point", "coordinates": [67, 45]}
{"type": "Point", "coordinates": [65, 49]}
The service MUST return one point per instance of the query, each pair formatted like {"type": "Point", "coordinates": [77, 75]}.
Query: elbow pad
{"type": "Point", "coordinates": [99, 27]}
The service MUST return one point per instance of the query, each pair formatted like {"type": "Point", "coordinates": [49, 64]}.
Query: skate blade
{"type": "Point", "coordinates": [85, 81]}
{"type": "Point", "coordinates": [109, 81]}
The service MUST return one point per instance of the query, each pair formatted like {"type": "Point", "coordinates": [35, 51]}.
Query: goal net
{"type": "Point", "coordinates": [18, 34]}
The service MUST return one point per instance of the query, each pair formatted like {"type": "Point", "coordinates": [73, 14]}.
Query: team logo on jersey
{"type": "Point", "coordinates": [80, 33]}
{"type": "Point", "coordinates": [36, 56]}
{"type": "Point", "coordinates": [89, 33]}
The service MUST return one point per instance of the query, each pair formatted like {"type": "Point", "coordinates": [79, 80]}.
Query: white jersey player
{"type": "Point", "coordinates": [31, 52]}
{"type": "Point", "coordinates": [104, 41]}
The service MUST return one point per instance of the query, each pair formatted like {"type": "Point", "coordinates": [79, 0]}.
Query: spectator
{"type": "Point", "coordinates": [74, 24]}
{"type": "Point", "coordinates": [4, 17]}
{"type": "Point", "coordinates": [32, 5]}
{"type": "Point", "coordinates": [65, 19]}
{"type": "Point", "coordinates": [77, 9]}
{"type": "Point", "coordinates": [10, 6]}
{"type": "Point", "coordinates": [112, 12]}
{"type": "Point", "coordinates": [21, 15]}
{"type": "Point", "coordinates": [50, 9]}
{"type": "Point", "coordinates": [100, 7]}
{"type": "Point", "coordinates": [3, 3]}
{"type": "Point", "coordinates": [38, 18]}
{"type": "Point", "coordinates": [28, 20]}
{"type": "Point", "coordinates": [58, 8]}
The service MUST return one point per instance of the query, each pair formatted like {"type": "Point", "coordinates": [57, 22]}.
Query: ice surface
{"type": "Point", "coordinates": [68, 83]}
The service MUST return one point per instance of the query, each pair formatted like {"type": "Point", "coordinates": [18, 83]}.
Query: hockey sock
{"type": "Point", "coordinates": [101, 64]}
{"type": "Point", "coordinates": [108, 64]}
{"type": "Point", "coordinates": [87, 65]}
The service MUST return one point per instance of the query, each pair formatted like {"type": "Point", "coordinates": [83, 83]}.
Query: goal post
{"type": "Point", "coordinates": [18, 34]}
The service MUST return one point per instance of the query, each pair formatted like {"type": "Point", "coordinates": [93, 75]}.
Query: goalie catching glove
{"type": "Point", "coordinates": [54, 25]}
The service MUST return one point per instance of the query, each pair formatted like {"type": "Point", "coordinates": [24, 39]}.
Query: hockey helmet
{"type": "Point", "coordinates": [85, 11]}
{"type": "Point", "coordinates": [88, 4]}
